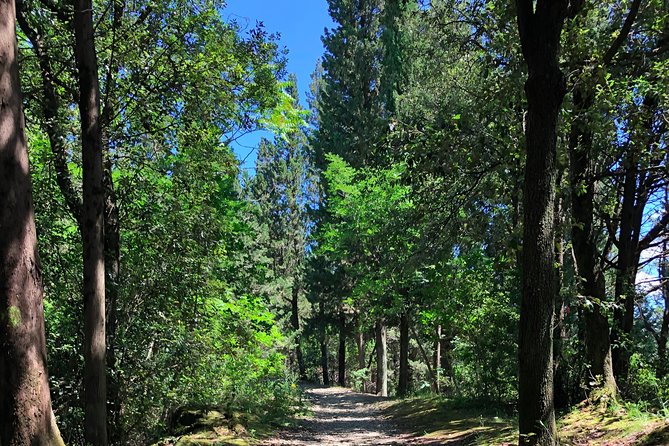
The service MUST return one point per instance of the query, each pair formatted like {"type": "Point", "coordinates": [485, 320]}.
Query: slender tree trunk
{"type": "Point", "coordinates": [624, 286]}
{"type": "Point", "coordinates": [26, 417]}
{"type": "Point", "coordinates": [324, 361]}
{"type": "Point", "coordinates": [559, 330]}
{"type": "Point", "coordinates": [584, 241]}
{"type": "Point", "coordinates": [95, 383]}
{"type": "Point", "coordinates": [381, 359]}
{"type": "Point", "coordinates": [403, 385]}
{"type": "Point", "coordinates": [295, 321]}
{"type": "Point", "coordinates": [663, 336]}
{"type": "Point", "coordinates": [437, 358]}
{"type": "Point", "coordinates": [324, 345]}
{"type": "Point", "coordinates": [540, 28]}
{"type": "Point", "coordinates": [446, 364]}
{"type": "Point", "coordinates": [112, 252]}
{"type": "Point", "coordinates": [342, 350]}
{"type": "Point", "coordinates": [112, 231]}
{"type": "Point", "coordinates": [360, 341]}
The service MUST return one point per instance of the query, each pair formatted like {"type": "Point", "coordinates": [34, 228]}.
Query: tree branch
{"type": "Point", "coordinates": [655, 232]}
{"type": "Point", "coordinates": [624, 32]}
{"type": "Point", "coordinates": [50, 124]}
{"type": "Point", "coordinates": [647, 325]}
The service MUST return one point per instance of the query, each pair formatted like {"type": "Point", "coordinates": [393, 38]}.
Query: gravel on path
{"type": "Point", "coordinates": [342, 417]}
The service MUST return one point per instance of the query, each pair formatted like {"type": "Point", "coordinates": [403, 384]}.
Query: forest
{"type": "Point", "coordinates": [464, 222]}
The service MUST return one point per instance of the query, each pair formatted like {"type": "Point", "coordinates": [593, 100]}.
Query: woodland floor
{"type": "Point", "coordinates": [342, 417]}
{"type": "Point", "coordinates": [339, 416]}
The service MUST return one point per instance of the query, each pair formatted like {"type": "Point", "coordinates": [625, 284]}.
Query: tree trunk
{"type": "Point", "coordinates": [381, 359]}
{"type": "Point", "coordinates": [112, 252]}
{"type": "Point", "coordinates": [437, 358]}
{"type": "Point", "coordinates": [540, 27]}
{"type": "Point", "coordinates": [112, 231]}
{"type": "Point", "coordinates": [663, 336]}
{"type": "Point", "coordinates": [403, 385]}
{"type": "Point", "coordinates": [630, 226]}
{"type": "Point", "coordinates": [584, 241]}
{"type": "Point", "coordinates": [25, 401]}
{"type": "Point", "coordinates": [360, 341]}
{"type": "Point", "coordinates": [559, 330]}
{"type": "Point", "coordinates": [295, 321]}
{"type": "Point", "coordinates": [95, 383]}
{"type": "Point", "coordinates": [324, 345]}
{"type": "Point", "coordinates": [637, 188]}
{"type": "Point", "coordinates": [342, 350]}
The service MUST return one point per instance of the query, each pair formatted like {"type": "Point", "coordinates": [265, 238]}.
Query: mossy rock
{"type": "Point", "coordinates": [187, 420]}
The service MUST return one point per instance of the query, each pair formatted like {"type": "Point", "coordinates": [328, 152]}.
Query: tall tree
{"type": "Point", "coordinates": [348, 105]}
{"type": "Point", "coordinates": [25, 400]}
{"type": "Point", "coordinates": [540, 28]}
{"type": "Point", "coordinates": [95, 382]}
{"type": "Point", "coordinates": [586, 165]}
{"type": "Point", "coordinates": [282, 188]}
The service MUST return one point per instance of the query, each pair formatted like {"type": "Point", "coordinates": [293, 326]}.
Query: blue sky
{"type": "Point", "coordinates": [300, 24]}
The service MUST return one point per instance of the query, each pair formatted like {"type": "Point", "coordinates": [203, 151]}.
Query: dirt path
{"type": "Point", "coordinates": [342, 417]}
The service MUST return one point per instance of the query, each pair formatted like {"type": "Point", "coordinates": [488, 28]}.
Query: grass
{"type": "Point", "coordinates": [440, 421]}
{"type": "Point", "coordinates": [214, 428]}
{"type": "Point", "coordinates": [452, 423]}
{"type": "Point", "coordinates": [622, 425]}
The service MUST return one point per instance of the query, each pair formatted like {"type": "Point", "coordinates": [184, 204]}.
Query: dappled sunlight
{"type": "Point", "coordinates": [341, 416]}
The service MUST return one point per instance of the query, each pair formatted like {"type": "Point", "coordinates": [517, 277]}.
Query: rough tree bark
{"type": "Point", "coordinates": [540, 27]}
{"type": "Point", "coordinates": [381, 359]}
{"type": "Point", "coordinates": [25, 402]}
{"type": "Point", "coordinates": [95, 383]}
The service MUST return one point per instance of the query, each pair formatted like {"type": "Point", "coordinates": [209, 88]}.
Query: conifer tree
{"type": "Point", "coordinates": [282, 187]}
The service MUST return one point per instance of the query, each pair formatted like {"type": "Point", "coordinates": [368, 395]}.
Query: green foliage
{"type": "Point", "coordinates": [398, 193]}
{"type": "Point", "coordinates": [645, 386]}
{"type": "Point", "coordinates": [194, 326]}
{"type": "Point", "coordinates": [479, 315]}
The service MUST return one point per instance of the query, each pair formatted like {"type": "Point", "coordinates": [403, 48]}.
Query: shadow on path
{"type": "Point", "coordinates": [343, 417]}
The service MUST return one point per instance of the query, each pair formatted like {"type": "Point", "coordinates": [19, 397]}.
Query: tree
{"type": "Point", "coordinates": [25, 400]}
{"type": "Point", "coordinates": [381, 358]}
{"type": "Point", "coordinates": [348, 105]}
{"type": "Point", "coordinates": [598, 76]}
{"type": "Point", "coordinates": [92, 217]}
{"type": "Point", "coordinates": [540, 29]}
{"type": "Point", "coordinates": [282, 188]}
{"type": "Point", "coordinates": [227, 79]}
